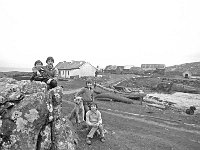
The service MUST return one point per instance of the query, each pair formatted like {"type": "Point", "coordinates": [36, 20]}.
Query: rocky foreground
{"type": "Point", "coordinates": [31, 118]}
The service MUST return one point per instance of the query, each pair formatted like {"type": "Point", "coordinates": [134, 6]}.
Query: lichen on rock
{"type": "Point", "coordinates": [31, 117]}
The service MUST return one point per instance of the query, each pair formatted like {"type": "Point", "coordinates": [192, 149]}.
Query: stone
{"type": "Point", "coordinates": [31, 117]}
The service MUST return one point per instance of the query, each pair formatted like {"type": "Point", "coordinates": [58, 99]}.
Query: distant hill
{"type": "Point", "coordinates": [8, 69]}
{"type": "Point", "coordinates": [14, 74]}
{"type": "Point", "coordinates": [193, 67]}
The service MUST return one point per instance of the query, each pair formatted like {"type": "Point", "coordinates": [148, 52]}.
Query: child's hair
{"type": "Point", "coordinates": [93, 104]}
{"type": "Point", "coordinates": [50, 58]}
{"type": "Point", "coordinates": [38, 62]}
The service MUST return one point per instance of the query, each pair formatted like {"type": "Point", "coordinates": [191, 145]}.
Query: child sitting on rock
{"type": "Point", "coordinates": [39, 74]}
{"type": "Point", "coordinates": [94, 121]}
{"type": "Point", "coordinates": [52, 73]}
{"type": "Point", "coordinates": [47, 74]}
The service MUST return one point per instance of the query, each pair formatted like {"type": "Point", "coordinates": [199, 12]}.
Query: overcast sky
{"type": "Point", "coordinates": [104, 32]}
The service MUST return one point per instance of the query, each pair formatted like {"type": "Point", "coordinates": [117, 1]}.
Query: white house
{"type": "Point", "coordinates": [75, 68]}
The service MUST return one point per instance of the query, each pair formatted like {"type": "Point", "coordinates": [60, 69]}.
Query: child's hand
{"type": "Point", "coordinates": [38, 73]}
{"type": "Point", "coordinates": [50, 118]}
{"type": "Point", "coordinates": [48, 82]}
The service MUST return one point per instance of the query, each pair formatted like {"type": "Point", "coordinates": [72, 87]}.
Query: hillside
{"type": "Point", "coordinates": [193, 67]}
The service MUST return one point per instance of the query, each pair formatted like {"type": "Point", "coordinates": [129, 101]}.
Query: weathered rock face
{"type": "Point", "coordinates": [31, 117]}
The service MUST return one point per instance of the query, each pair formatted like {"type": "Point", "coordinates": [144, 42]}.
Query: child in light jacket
{"type": "Point", "coordinates": [94, 121]}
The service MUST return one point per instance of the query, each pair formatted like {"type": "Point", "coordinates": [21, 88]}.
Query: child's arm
{"type": "Point", "coordinates": [34, 69]}
{"type": "Point", "coordinates": [92, 96]}
{"type": "Point", "coordinates": [99, 118]}
{"type": "Point", "coordinates": [33, 76]}
{"type": "Point", "coordinates": [56, 74]}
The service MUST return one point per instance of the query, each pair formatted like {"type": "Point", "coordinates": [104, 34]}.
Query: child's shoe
{"type": "Point", "coordinates": [88, 141]}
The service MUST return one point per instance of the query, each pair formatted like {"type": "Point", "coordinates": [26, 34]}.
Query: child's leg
{"type": "Point", "coordinates": [101, 130]}
{"type": "Point", "coordinates": [77, 117]}
{"type": "Point", "coordinates": [86, 109]}
{"type": "Point", "coordinates": [92, 131]}
{"type": "Point", "coordinates": [53, 83]}
{"type": "Point", "coordinates": [83, 114]}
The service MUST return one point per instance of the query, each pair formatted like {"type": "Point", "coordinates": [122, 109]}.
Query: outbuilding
{"type": "Point", "coordinates": [187, 74]}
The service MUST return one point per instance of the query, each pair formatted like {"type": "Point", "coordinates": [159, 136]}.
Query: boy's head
{"type": "Point", "coordinates": [50, 61]}
{"type": "Point", "coordinates": [89, 83]}
{"type": "Point", "coordinates": [38, 63]}
{"type": "Point", "coordinates": [93, 107]}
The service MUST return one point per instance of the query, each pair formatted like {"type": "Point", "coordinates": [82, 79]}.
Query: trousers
{"type": "Point", "coordinates": [93, 129]}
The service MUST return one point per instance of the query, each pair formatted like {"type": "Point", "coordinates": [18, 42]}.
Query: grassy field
{"type": "Point", "coordinates": [135, 126]}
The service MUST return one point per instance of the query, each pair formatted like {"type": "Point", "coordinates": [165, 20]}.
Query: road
{"type": "Point", "coordinates": [138, 132]}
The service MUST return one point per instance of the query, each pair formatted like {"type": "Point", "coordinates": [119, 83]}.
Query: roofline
{"type": "Point", "coordinates": [69, 69]}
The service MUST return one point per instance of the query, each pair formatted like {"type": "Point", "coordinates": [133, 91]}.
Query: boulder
{"type": "Point", "coordinates": [31, 117]}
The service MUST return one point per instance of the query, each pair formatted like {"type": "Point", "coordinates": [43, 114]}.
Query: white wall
{"type": "Point", "coordinates": [85, 70]}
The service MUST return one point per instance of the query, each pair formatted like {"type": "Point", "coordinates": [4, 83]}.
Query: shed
{"type": "Point", "coordinates": [187, 74]}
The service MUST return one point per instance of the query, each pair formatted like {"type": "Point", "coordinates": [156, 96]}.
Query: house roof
{"type": "Point", "coordinates": [128, 66]}
{"type": "Point", "coordinates": [111, 67]}
{"type": "Point", "coordinates": [70, 65]}
{"type": "Point", "coordinates": [152, 65]}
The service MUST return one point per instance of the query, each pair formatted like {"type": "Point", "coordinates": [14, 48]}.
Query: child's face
{"type": "Point", "coordinates": [93, 108]}
{"type": "Point", "coordinates": [38, 65]}
{"type": "Point", "coordinates": [50, 62]}
{"type": "Point", "coordinates": [89, 85]}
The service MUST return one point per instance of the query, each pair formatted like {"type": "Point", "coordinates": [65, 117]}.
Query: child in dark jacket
{"type": "Point", "coordinates": [39, 74]}
{"type": "Point", "coordinates": [87, 93]}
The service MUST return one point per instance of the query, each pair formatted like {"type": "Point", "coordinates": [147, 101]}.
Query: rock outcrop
{"type": "Point", "coordinates": [31, 118]}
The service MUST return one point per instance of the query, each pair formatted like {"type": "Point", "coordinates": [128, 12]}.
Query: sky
{"type": "Point", "coordinates": [106, 32]}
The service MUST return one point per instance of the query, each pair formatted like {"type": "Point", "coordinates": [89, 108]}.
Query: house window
{"type": "Point", "coordinates": [68, 72]}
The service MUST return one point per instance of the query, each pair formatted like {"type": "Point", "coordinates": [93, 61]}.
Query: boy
{"type": "Point", "coordinates": [94, 121]}
{"type": "Point", "coordinates": [87, 95]}
{"type": "Point", "coordinates": [52, 73]}
{"type": "Point", "coordinates": [39, 73]}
